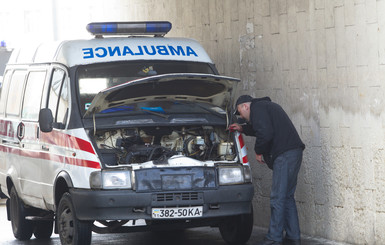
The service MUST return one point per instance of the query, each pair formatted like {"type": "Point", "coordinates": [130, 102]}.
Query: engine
{"type": "Point", "coordinates": [157, 144]}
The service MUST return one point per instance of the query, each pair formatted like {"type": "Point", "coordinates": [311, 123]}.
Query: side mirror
{"type": "Point", "coordinates": [46, 120]}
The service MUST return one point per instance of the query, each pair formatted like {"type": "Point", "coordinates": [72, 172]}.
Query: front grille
{"type": "Point", "coordinates": [177, 180]}
{"type": "Point", "coordinates": [184, 196]}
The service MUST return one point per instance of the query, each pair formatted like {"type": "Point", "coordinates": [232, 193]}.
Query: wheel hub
{"type": "Point", "coordinates": [66, 225]}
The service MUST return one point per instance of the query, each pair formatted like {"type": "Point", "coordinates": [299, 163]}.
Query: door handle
{"type": "Point", "coordinates": [20, 131]}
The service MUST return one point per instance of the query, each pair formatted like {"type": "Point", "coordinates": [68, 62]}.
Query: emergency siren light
{"type": "Point", "coordinates": [157, 28]}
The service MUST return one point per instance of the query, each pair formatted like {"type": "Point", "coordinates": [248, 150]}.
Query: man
{"type": "Point", "coordinates": [279, 146]}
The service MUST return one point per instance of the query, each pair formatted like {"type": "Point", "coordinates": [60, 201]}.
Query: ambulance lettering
{"type": "Point", "coordinates": [153, 52]}
{"type": "Point", "coordinates": [102, 52]}
{"type": "Point", "coordinates": [140, 51]}
{"type": "Point", "coordinates": [114, 51]}
{"type": "Point", "coordinates": [162, 50]}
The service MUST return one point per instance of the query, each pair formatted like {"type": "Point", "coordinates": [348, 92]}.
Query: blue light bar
{"type": "Point", "coordinates": [158, 28]}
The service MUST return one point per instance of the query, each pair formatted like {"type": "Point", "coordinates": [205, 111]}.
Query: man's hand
{"type": "Point", "coordinates": [235, 127]}
{"type": "Point", "coordinates": [259, 158]}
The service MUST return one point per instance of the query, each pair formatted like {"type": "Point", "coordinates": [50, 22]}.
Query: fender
{"type": "Point", "coordinates": [11, 176]}
{"type": "Point", "coordinates": [63, 183]}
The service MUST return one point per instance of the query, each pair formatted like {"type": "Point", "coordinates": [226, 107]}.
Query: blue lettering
{"type": "Point", "coordinates": [189, 51]}
{"type": "Point", "coordinates": [102, 54]}
{"type": "Point", "coordinates": [162, 50]}
{"type": "Point", "coordinates": [177, 51]}
{"type": "Point", "coordinates": [127, 50]}
{"type": "Point", "coordinates": [140, 51]}
{"type": "Point", "coordinates": [88, 53]}
{"type": "Point", "coordinates": [114, 51]}
{"type": "Point", "coordinates": [153, 50]}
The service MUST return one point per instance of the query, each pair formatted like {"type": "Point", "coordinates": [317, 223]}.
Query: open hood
{"type": "Point", "coordinates": [213, 89]}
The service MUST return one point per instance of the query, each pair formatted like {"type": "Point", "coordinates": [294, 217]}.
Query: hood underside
{"type": "Point", "coordinates": [213, 89]}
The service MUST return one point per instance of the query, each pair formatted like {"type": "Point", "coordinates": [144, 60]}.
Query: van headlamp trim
{"type": "Point", "coordinates": [157, 28]}
{"type": "Point", "coordinates": [111, 179]}
{"type": "Point", "coordinates": [231, 175]}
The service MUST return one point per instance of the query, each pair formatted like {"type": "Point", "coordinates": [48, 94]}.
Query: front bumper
{"type": "Point", "coordinates": [129, 205]}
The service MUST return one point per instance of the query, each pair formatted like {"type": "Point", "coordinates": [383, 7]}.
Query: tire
{"type": "Point", "coordinates": [71, 230]}
{"type": "Point", "coordinates": [43, 229]}
{"type": "Point", "coordinates": [22, 228]}
{"type": "Point", "coordinates": [237, 229]}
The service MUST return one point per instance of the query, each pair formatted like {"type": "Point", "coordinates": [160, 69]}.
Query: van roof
{"type": "Point", "coordinates": [97, 50]}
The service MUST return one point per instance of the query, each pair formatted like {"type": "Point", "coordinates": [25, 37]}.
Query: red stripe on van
{"type": "Point", "coordinates": [66, 140]}
{"type": "Point", "coordinates": [241, 142]}
{"type": "Point", "coordinates": [245, 159]}
{"type": "Point", "coordinates": [52, 157]}
{"type": "Point", "coordinates": [82, 163]}
{"type": "Point", "coordinates": [8, 129]}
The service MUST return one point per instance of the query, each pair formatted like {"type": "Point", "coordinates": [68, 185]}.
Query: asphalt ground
{"type": "Point", "coordinates": [195, 236]}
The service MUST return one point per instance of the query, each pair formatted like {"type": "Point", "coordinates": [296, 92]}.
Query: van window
{"type": "Point", "coordinates": [33, 95]}
{"type": "Point", "coordinates": [15, 93]}
{"type": "Point", "coordinates": [58, 96]}
{"type": "Point", "coordinates": [96, 77]}
{"type": "Point", "coordinates": [4, 90]}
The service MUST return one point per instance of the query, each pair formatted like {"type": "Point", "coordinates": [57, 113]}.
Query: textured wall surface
{"type": "Point", "coordinates": [322, 60]}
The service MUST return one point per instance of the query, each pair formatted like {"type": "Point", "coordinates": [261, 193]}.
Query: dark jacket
{"type": "Point", "coordinates": [273, 129]}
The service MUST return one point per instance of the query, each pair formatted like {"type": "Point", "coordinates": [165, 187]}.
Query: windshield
{"type": "Point", "coordinates": [96, 77]}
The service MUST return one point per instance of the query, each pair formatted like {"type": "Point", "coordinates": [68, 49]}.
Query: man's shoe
{"type": "Point", "coordinates": [288, 241]}
{"type": "Point", "coordinates": [269, 242]}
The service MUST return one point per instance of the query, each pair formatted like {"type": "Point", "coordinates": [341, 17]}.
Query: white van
{"type": "Point", "coordinates": [123, 132]}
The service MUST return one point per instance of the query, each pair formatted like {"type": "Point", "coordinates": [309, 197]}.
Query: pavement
{"type": "Point", "coordinates": [195, 236]}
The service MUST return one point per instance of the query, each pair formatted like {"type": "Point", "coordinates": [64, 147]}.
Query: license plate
{"type": "Point", "coordinates": [177, 213]}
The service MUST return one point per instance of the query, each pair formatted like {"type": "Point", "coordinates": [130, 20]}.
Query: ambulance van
{"type": "Point", "coordinates": [124, 132]}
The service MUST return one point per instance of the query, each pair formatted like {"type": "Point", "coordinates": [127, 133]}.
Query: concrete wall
{"type": "Point", "coordinates": [322, 60]}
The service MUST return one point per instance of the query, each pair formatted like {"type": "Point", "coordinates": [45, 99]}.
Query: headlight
{"type": "Point", "coordinates": [111, 180]}
{"type": "Point", "coordinates": [230, 175]}
{"type": "Point", "coordinates": [247, 173]}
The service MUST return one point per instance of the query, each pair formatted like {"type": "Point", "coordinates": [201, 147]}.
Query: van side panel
{"type": "Point", "coordinates": [3, 131]}
{"type": "Point", "coordinates": [64, 152]}
{"type": "Point", "coordinates": [10, 106]}
{"type": "Point", "coordinates": [31, 158]}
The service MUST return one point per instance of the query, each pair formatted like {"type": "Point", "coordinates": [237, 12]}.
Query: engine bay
{"type": "Point", "coordinates": [157, 144]}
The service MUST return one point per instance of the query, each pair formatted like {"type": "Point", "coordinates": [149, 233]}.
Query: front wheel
{"type": "Point", "coordinates": [237, 229]}
{"type": "Point", "coordinates": [22, 228]}
{"type": "Point", "coordinates": [71, 230]}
